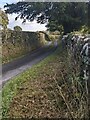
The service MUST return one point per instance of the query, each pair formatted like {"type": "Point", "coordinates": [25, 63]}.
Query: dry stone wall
{"type": "Point", "coordinates": [18, 43]}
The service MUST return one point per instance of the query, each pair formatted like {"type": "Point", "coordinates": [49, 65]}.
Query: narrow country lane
{"type": "Point", "coordinates": [16, 67]}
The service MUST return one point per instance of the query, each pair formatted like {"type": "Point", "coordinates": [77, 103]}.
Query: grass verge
{"type": "Point", "coordinates": [45, 90]}
{"type": "Point", "coordinates": [11, 87]}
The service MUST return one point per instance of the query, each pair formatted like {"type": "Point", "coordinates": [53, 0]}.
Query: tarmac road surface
{"type": "Point", "coordinates": [17, 66]}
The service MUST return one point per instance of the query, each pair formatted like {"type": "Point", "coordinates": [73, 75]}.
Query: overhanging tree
{"type": "Point", "coordinates": [70, 15]}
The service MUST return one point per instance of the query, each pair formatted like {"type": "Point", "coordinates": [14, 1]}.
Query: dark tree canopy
{"type": "Point", "coordinates": [71, 15]}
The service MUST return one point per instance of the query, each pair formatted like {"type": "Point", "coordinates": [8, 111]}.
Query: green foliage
{"type": "Point", "coordinates": [52, 37]}
{"type": "Point", "coordinates": [55, 32]}
{"type": "Point", "coordinates": [4, 19]}
{"type": "Point", "coordinates": [47, 38]}
{"type": "Point", "coordinates": [4, 22]}
{"type": "Point", "coordinates": [52, 26]}
{"type": "Point", "coordinates": [17, 28]}
{"type": "Point", "coordinates": [85, 30]}
{"type": "Point", "coordinates": [71, 15]}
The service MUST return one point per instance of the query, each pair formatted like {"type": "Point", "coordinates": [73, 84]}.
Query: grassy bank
{"type": "Point", "coordinates": [45, 90]}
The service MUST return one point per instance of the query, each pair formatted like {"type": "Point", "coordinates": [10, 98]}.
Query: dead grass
{"type": "Point", "coordinates": [49, 90]}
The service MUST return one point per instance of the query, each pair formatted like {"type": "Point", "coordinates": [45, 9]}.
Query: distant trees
{"type": "Point", "coordinates": [7, 34]}
{"type": "Point", "coordinates": [70, 15]}
{"type": "Point", "coordinates": [17, 28]}
{"type": "Point", "coordinates": [17, 34]}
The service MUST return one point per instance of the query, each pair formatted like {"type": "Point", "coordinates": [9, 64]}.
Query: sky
{"type": "Point", "coordinates": [28, 26]}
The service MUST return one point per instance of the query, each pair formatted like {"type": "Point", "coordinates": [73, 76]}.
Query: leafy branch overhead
{"type": "Point", "coordinates": [30, 11]}
{"type": "Point", "coordinates": [70, 15]}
